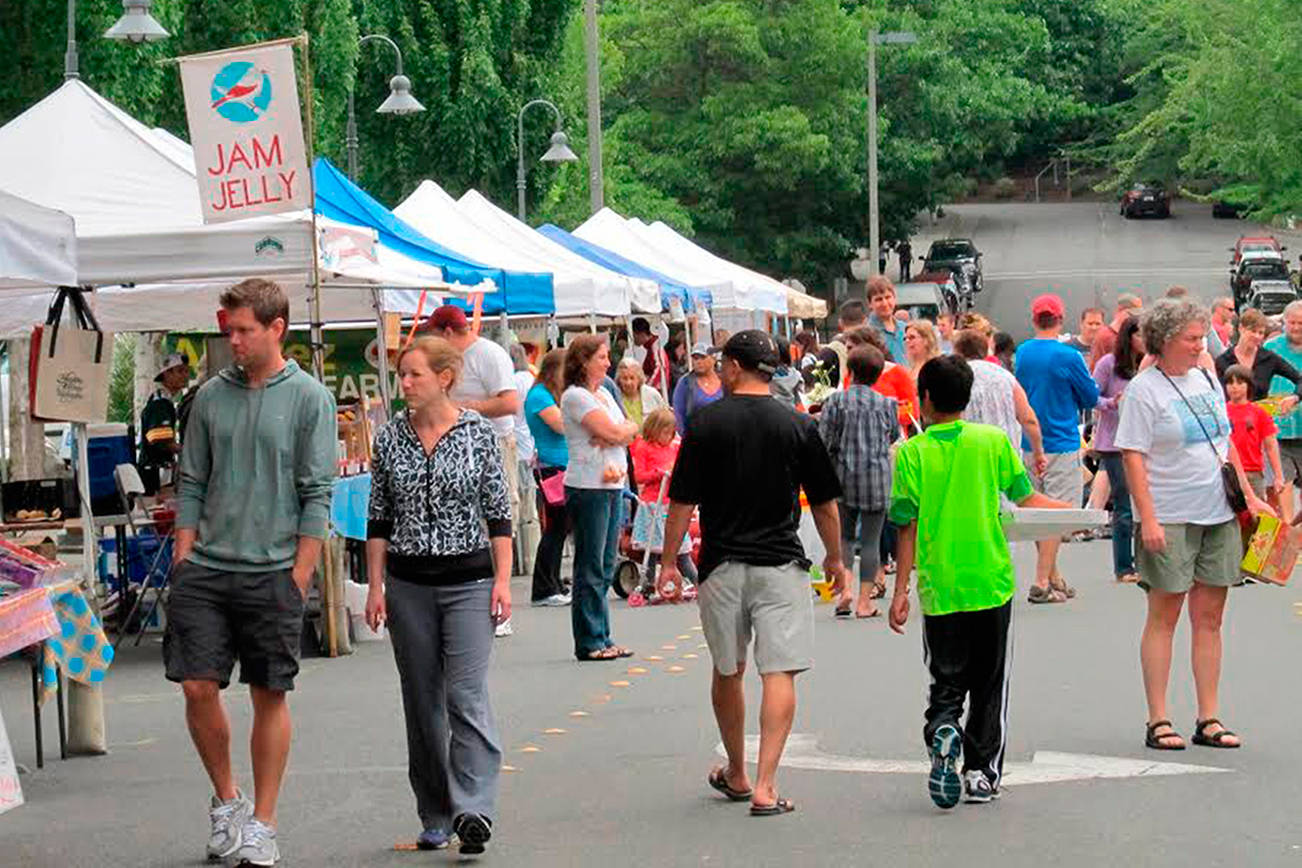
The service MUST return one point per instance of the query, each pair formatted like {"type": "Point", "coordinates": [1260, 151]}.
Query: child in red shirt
{"type": "Point", "coordinates": [1252, 431]}
{"type": "Point", "coordinates": [654, 454]}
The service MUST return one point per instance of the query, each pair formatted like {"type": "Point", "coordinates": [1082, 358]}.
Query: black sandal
{"type": "Point", "coordinates": [781, 806]}
{"type": "Point", "coordinates": [718, 781]}
{"type": "Point", "coordinates": [1159, 742]}
{"type": "Point", "coordinates": [1216, 739]}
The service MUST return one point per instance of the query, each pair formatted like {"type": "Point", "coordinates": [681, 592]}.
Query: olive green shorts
{"type": "Point", "coordinates": [1208, 554]}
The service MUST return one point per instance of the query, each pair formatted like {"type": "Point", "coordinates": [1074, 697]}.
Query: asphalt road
{"type": "Point", "coordinates": [1088, 253]}
{"type": "Point", "coordinates": [624, 781]}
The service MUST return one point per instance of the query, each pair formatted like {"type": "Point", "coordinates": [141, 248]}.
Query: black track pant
{"type": "Point", "coordinates": [968, 654]}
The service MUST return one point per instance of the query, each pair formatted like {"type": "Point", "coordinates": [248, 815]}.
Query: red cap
{"type": "Point", "coordinates": [1048, 303]}
{"type": "Point", "coordinates": [447, 317]}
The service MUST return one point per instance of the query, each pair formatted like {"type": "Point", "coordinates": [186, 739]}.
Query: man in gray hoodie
{"type": "Point", "coordinates": [256, 473]}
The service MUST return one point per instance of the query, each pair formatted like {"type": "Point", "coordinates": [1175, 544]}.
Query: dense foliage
{"type": "Point", "coordinates": [743, 122]}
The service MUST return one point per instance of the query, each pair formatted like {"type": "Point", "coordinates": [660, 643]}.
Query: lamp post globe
{"type": "Point", "coordinates": [136, 24]}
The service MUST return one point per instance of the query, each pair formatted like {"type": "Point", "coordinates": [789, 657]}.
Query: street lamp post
{"type": "Point", "coordinates": [874, 230]}
{"type": "Point", "coordinates": [559, 152]}
{"type": "Point", "coordinates": [135, 25]}
{"type": "Point", "coordinates": [399, 102]}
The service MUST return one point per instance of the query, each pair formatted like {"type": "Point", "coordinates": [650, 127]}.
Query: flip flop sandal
{"type": "Point", "coordinates": [781, 806]}
{"type": "Point", "coordinates": [1161, 742]}
{"type": "Point", "coordinates": [599, 655]}
{"type": "Point", "coordinates": [1216, 739]}
{"type": "Point", "coordinates": [876, 613]}
{"type": "Point", "coordinates": [1038, 595]}
{"type": "Point", "coordinates": [843, 613]}
{"type": "Point", "coordinates": [879, 591]}
{"type": "Point", "coordinates": [620, 653]}
{"type": "Point", "coordinates": [719, 782]}
{"type": "Point", "coordinates": [1128, 578]}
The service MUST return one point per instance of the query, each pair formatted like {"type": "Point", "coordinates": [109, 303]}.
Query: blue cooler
{"type": "Point", "coordinates": [107, 446]}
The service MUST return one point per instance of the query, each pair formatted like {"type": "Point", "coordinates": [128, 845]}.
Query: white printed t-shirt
{"type": "Point", "coordinates": [1184, 475]}
{"type": "Point", "coordinates": [588, 463]}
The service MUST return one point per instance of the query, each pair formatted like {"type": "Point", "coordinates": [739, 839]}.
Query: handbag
{"type": "Point", "coordinates": [69, 363]}
{"type": "Point", "coordinates": [1229, 476]}
{"type": "Point", "coordinates": [553, 489]}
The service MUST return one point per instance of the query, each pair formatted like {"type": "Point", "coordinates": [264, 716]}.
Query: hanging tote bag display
{"type": "Point", "coordinates": [70, 363]}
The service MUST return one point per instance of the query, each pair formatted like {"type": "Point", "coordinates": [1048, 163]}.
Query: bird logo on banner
{"type": "Point", "coordinates": [241, 92]}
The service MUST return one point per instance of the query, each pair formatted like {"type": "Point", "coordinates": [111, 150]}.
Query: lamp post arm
{"type": "Point", "coordinates": [380, 37]}
{"type": "Point", "coordinates": [521, 180]}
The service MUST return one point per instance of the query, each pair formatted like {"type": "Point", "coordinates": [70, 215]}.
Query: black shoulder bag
{"type": "Point", "coordinates": [1229, 476]}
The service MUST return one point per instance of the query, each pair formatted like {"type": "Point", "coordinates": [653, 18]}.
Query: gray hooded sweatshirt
{"type": "Point", "coordinates": [257, 469]}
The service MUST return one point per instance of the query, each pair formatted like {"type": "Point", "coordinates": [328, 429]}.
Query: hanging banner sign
{"type": "Point", "coordinates": [242, 107]}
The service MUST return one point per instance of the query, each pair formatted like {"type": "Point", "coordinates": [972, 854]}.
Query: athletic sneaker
{"type": "Point", "coordinates": [433, 839]}
{"type": "Point", "coordinates": [259, 845]}
{"type": "Point", "coordinates": [227, 819]}
{"type": "Point", "coordinates": [977, 788]}
{"type": "Point", "coordinates": [503, 629]}
{"type": "Point", "coordinates": [473, 830]}
{"type": "Point", "coordinates": [943, 783]}
{"type": "Point", "coordinates": [554, 600]}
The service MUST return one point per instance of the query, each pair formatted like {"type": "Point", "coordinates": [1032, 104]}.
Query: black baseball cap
{"type": "Point", "coordinates": [753, 350]}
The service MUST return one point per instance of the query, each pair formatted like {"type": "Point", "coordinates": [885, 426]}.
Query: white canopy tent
{"type": "Point", "coordinates": [577, 292]}
{"type": "Point", "coordinates": [38, 246]}
{"type": "Point", "coordinates": [133, 196]}
{"type": "Point", "coordinates": [643, 294]}
{"type": "Point", "coordinates": [799, 304]}
{"type": "Point", "coordinates": [608, 229]}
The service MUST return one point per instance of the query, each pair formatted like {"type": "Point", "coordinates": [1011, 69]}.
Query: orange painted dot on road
{"type": "Point", "coordinates": [703, 646]}
{"type": "Point", "coordinates": [690, 656]}
{"type": "Point", "coordinates": [620, 683]}
{"type": "Point", "coordinates": [509, 769]}
{"type": "Point", "coordinates": [685, 636]}
{"type": "Point", "coordinates": [579, 714]}
{"type": "Point", "coordinates": [654, 657]}
{"type": "Point", "coordinates": [668, 647]}
{"type": "Point", "coordinates": [638, 670]}
{"type": "Point", "coordinates": [554, 731]}
{"type": "Point", "coordinates": [531, 748]}
{"type": "Point", "coordinates": [675, 669]}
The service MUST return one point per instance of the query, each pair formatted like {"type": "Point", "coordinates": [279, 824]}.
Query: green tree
{"type": "Point", "coordinates": [122, 380]}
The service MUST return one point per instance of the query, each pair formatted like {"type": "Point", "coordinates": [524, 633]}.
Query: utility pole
{"type": "Point", "coordinates": [874, 229]}
{"type": "Point", "coordinates": [596, 179]}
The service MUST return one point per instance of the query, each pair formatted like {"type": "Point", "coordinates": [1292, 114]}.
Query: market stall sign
{"type": "Point", "coordinates": [243, 111]}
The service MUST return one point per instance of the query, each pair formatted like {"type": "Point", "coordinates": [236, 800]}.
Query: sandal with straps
{"type": "Point", "coordinates": [1156, 741]}
{"type": "Point", "coordinates": [1215, 739]}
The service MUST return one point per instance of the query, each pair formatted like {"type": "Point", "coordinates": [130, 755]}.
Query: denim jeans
{"type": "Point", "coordinates": [1123, 521]}
{"type": "Point", "coordinates": [594, 513]}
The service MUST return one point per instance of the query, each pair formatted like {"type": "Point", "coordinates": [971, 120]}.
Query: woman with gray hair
{"type": "Point", "coordinates": [1174, 439]}
{"type": "Point", "coordinates": [637, 398]}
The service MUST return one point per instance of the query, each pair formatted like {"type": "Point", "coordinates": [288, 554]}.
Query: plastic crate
{"type": "Point", "coordinates": [141, 552]}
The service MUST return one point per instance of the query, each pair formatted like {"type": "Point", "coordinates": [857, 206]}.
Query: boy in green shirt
{"type": "Point", "coordinates": [946, 494]}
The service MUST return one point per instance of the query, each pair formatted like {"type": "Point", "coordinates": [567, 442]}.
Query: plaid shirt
{"type": "Point", "coordinates": [859, 425]}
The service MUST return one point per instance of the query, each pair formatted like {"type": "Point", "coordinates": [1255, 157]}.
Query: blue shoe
{"type": "Point", "coordinates": [944, 783]}
{"type": "Point", "coordinates": [433, 839]}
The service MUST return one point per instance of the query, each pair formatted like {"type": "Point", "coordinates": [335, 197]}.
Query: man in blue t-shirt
{"type": "Point", "coordinates": [1060, 388]}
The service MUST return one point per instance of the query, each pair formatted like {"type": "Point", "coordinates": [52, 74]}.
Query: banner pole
{"type": "Point", "coordinates": [318, 359]}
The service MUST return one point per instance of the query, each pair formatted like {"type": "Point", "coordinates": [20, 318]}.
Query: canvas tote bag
{"type": "Point", "coordinates": [69, 363]}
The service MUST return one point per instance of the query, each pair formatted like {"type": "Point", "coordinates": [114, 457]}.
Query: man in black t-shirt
{"type": "Point", "coordinates": [744, 461]}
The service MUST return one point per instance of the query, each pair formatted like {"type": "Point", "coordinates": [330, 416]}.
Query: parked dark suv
{"type": "Point", "coordinates": [959, 257]}
{"type": "Point", "coordinates": [1141, 199]}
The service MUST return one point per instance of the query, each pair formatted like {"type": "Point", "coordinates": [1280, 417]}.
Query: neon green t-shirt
{"type": "Point", "coordinates": [948, 480]}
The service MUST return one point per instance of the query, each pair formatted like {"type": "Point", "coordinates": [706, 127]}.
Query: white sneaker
{"type": "Point", "coordinates": [227, 819]}
{"type": "Point", "coordinates": [503, 629]}
{"type": "Point", "coordinates": [259, 847]}
{"type": "Point", "coordinates": [554, 600]}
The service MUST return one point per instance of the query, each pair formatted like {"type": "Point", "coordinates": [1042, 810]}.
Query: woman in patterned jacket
{"type": "Point", "coordinates": [438, 554]}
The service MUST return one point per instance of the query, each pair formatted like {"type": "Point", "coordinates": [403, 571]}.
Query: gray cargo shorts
{"type": "Point", "coordinates": [775, 605]}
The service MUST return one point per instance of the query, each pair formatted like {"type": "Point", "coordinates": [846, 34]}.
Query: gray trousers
{"type": "Point", "coordinates": [442, 637]}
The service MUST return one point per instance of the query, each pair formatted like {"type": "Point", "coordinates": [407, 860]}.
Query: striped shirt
{"type": "Point", "coordinates": [859, 425]}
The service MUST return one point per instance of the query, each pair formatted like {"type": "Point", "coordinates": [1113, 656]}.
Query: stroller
{"type": "Point", "coordinates": [643, 537]}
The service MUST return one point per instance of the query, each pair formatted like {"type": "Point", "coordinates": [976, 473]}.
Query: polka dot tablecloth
{"type": "Point", "coordinates": [80, 646]}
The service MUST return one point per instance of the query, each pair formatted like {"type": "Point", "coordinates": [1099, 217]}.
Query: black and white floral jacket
{"type": "Point", "coordinates": [442, 505]}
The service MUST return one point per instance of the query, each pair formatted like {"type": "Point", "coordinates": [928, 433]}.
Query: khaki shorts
{"type": "Point", "coordinates": [1209, 554]}
{"type": "Point", "coordinates": [1062, 478]}
{"type": "Point", "coordinates": [773, 603]}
